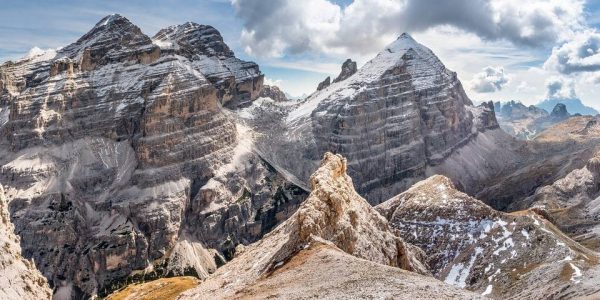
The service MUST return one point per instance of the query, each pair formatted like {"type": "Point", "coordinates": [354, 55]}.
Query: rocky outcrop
{"type": "Point", "coordinates": [273, 92]}
{"type": "Point", "coordinates": [500, 255]}
{"type": "Point", "coordinates": [109, 152]}
{"type": "Point", "coordinates": [19, 279]}
{"type": "Point", "coordinates": [323, 84]}
{"type": "Point", "coordinates": [572, 203]}
{"type": "Point", "coordinates": [348, 69]}
{"type": "Point", "coordinates": [559, 112]}
{"type": "Point", "coordinates": [335, 215]}
{"type": "Point", "coordinates": [399, 114]}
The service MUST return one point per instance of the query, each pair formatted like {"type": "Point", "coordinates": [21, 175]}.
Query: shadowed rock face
{"type": "Point", "coordinates": [109, 150]}
{"type": "Point", "coordinates": [573, 203]}
{"type": "Point", "coordinates": [19, 279]}
{"type": "Point", "coordinates": [348, 69]}
{"type": "Point", "coordinates": [323, 84]}
{"type": "Point", "coordinates": [559, 111]}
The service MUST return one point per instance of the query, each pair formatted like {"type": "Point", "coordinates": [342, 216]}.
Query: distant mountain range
{"type": "Point", "coordinates": [574, 106]}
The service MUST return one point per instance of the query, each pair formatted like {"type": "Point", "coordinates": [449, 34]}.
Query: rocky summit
{"type": "Point", "coordinates": [162, 167]}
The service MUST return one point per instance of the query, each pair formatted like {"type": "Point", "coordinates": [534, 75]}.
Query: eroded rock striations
{"type": "Point", "coordinates": [400, 113]}
{"type": "Point", "coordinates": [504, 256]}
{"type": "Point", "coordinates": [330, 231]}
{"type": "Point", "coordinates": [19, 279]}
{"type": "Point", "coordinates": [118, 160]}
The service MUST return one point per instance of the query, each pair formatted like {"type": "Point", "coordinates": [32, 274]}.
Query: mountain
{"type": "Point", "coordinates": [337, 232]}
{"type": "Point", "coordinates": [396, 116]}
{"type": "Point", "coordinates": [19, 279]}
{"type": "Point", "coordinates": [525, 122]}
{"type": "Point", "coordinates": [505, 256]}
{"type": "Point", "coordinates": [574, 106]}
{"type": "Point", "coordinates": [572, 201]}
{"type": "Point", "coordinates": [127, 158]}
{"type": "Point", "coordinates": [119, 161]}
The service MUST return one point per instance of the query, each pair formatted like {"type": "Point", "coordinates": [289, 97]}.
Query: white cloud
{"type": "Point", "coordinates": [525, 87]}
{"type": "Point", "coordinates": [279, 27]}
{"type": "Point", "coordinates": [272, 82]}
{"type": "Point", "coordinates": [490, 80]}
{"type": "Point", "coordinates": [560, 88]}
{"type": "Point", "coordinates": [580, 54]}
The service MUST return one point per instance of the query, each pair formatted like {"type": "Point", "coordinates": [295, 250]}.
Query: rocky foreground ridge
{"type": "Point", "coordinates": [335, 246]}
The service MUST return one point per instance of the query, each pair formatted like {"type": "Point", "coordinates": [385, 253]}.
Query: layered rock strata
{"type": "Point", "coordinates": [400, 113]}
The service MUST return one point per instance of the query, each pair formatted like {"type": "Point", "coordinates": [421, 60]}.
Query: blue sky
{"type": "Point", "coordinates": [501, 49]}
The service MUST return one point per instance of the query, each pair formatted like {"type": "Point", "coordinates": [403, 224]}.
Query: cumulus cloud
{"type": "Point", "coordinates": [277, 27]}
{"type": "Point", "coordinates": [580, 54]}
{"type": "Point", "coordinates": [560, 88]}
{"type": "Point", "coordinates": [272, 82]}
{"type": "Point", "coordinates": [490, 80]}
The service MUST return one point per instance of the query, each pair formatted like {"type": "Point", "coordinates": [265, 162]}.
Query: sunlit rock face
{"type": "Point", "coordinates": [108, 145]}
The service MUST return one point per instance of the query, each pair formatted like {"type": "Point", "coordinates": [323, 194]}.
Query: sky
{"type": "Point", "coordinates": [501, 49]}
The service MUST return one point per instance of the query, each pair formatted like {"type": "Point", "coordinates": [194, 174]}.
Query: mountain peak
{"type": "Point", "coordinates": [111, 20]}
{"type": "Point", "coordinates": [111, 32]}
{"type": "Point", "coordinates": [194, 38]}
{"type": "Point", "coordinates": [403, 43]}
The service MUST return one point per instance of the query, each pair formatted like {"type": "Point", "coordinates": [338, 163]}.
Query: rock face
{"type": "Point", "coordinates": [573, 203]}
{"type": "Point", "coordinates": [396, 116]}
{"type": "Point", "coordinates": [118, 160]}
{"type": "Point", "coordinates": [559, 112]}
{"type": "Point", "coordinates": [238, 82]}
{"type": "Point", "coordinates": [348, 69]}
{"type": "Point", "coordinates": [503, 256]}
{"type": "Point", "coordinates": [19, 279]}
{"type": "Point", "coordinates": [273, 92]}
{"type": "Point", "coordinates": [329, 232]}
{"type": "Point", "coordinates": [323, 84]}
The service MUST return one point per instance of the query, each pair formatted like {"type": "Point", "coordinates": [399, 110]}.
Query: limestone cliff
{"type": "Point", "coordinates": [19, 279]}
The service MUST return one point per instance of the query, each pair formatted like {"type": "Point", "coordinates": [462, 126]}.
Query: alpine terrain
{"type": "Point", "coordinates": [163, 167]}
